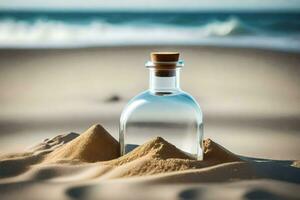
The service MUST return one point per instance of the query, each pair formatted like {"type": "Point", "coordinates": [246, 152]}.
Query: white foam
{"type": "Point", "coordinates": [55, 34]}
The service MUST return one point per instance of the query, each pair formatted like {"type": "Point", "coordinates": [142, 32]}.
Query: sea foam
{"type": "Point", "coordinates": [49, 33]}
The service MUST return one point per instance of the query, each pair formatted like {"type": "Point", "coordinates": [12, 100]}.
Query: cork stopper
{"type": "Point", "coordinates": [164, 57]}
{"type": "Point", "coordinates": [165, 63]}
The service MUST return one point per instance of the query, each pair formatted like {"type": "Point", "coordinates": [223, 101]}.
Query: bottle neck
{"type": "Point", "coordinates": [165, 82]}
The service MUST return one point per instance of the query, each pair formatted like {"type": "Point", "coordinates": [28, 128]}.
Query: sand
{"type": "Point", "coordinates": [96, 144]}
{"type": "Point", "coordinates": [250, 98]}
{"type": "Point", "coordinates": [73, 166]}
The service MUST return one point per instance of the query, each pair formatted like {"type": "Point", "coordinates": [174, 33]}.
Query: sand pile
{"type": "Point", "coordinates": [159, 156]}
{"type": "Point", "coordinates": [54, 143]}
{"type": "Point", "coordinates": [154, 157]}
{"type": "Point", "coordinates": [215, 152]}
{"type": "Point", "coordinates": [155, 148]}
{"type": "Point", "coordinates": [97, 145]}
{"type": "Point", "coordinates": [92, 159]}
{"type": "Point", "coordinates": [94, 145]}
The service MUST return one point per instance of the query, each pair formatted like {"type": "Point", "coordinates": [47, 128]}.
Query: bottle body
{"type": "Point", "coordinates": [164, 110]}
{"type": "Point", "coordinates": [174, 116]}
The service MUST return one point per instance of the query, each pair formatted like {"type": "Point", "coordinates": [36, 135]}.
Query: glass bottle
{"type": "Point", "coordinates": [163, 110]}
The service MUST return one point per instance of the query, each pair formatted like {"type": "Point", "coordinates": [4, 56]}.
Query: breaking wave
{"type": "Point", "coordinates": [59, 34]}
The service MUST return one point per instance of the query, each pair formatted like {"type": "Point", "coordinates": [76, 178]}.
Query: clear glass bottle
{"type": "Point", "coordinates": [163, 110]}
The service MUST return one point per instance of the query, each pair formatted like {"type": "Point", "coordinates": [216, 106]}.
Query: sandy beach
{"type": "Point", "coordinates": [251, 104]}
{"type": "Point", "coordinates": [248, 96]}
{"type": "Point", "coordinates": [76, 166]}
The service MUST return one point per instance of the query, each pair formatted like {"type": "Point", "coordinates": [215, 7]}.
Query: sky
{"type": "Point", "coordinates": [152, 4]}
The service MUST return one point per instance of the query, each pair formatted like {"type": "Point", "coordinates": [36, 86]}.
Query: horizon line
{"type": "Point", "coordinates": [146, 10]}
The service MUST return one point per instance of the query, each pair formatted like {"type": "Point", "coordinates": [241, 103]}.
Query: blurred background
{"type": "Point", "coordinates": [65, 65]}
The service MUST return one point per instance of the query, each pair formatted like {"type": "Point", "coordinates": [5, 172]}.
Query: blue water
{"type": "Point", "coordinates": [83, 29]}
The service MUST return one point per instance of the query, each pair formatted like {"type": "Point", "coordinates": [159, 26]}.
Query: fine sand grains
{"type": "Point", "coordinates": [159, 156]}
{"type": "Point", "coordinates": [74, 164]}
{"type": "Point", "coordinates": [97, 148]}
{"type": "Point", "coordinates": [95, 144]}
{"type": "Point", "coordinates": [154, 157]}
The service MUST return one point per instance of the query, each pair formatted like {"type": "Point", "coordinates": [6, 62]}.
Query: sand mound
{"type": "Point", "coordinates": [154, 157]}
{"type": "Point", "coordinates": [156, 148]}
{"type": "Point", "coordinates": [53, 143]}
{"type": "Point", "coordinates": [88, 161]}
{"type": "Point", "coordinates": [160, 149]}
{"type": "Point", "coordinates": [159, 156]}
{"type": "Point", "coordinates": [215, 152]}
{"type": "Point", "coordinates": [16, 163]}
{"type": "Point", "coordinates": [95, 144]}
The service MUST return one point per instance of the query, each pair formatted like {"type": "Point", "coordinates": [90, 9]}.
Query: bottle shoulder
{"type": "Point", "coordinates": [178, 100]}
{"type": "Point", "coordinates": [179, 95]}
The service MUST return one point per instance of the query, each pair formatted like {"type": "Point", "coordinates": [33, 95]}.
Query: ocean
{"type": "Point", "coordinates": [74, 29]}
